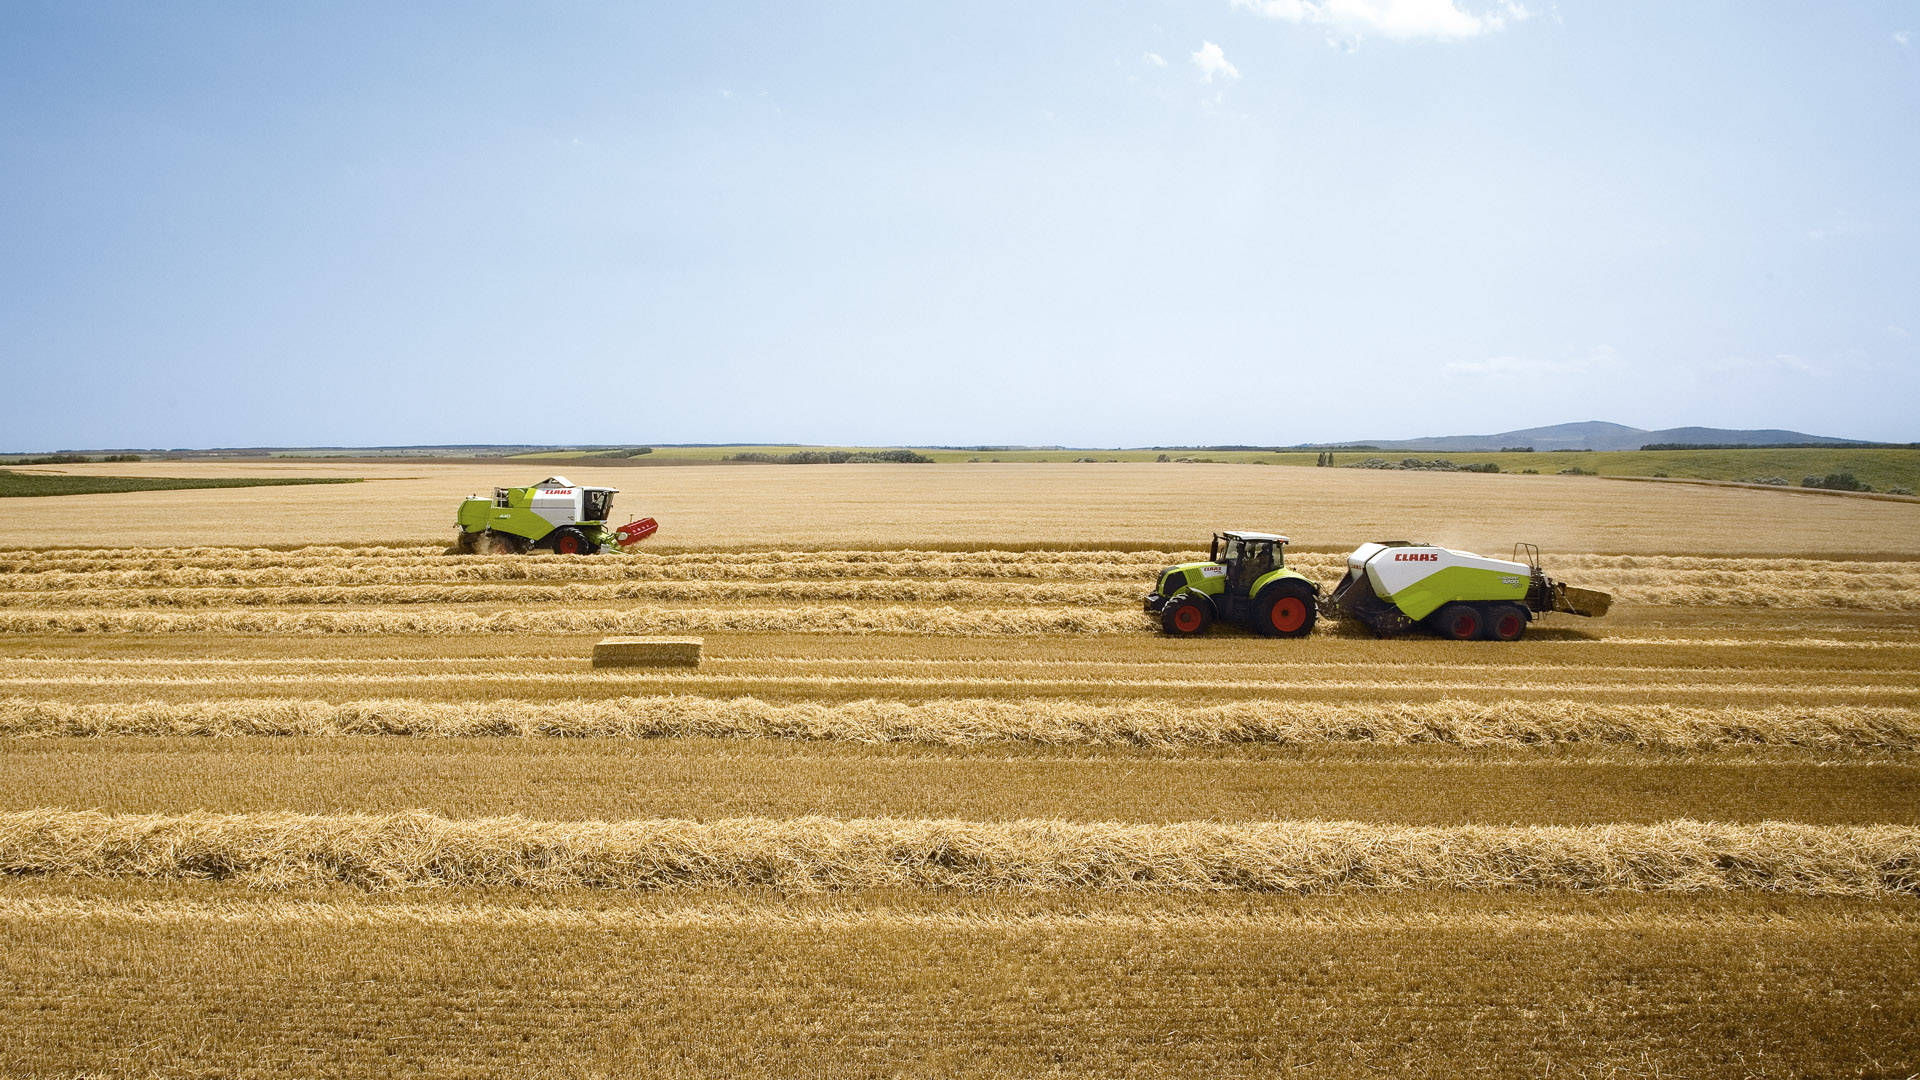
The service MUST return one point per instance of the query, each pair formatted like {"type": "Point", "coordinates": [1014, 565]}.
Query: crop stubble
{"type": "Point", "coordinates": [962, 691]}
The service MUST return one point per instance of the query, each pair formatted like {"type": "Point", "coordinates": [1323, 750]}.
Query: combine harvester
{"type": "Point", "coordinates": [1390, 587]}
{"type": "Point", "coordinates": [553, 515]}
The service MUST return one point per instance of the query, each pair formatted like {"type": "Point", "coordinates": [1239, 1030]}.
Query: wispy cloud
{"type": "Point", "coordinates": [1598, 358]}
{"type": "Point", "coordinates": [1155, 59]}
{"type": "Point", "coordinates": [1901, 37]}
{"type": "Point", "coordinates": [1212, 62]}
{"type": "Point", "coordinates": [1406, 20]}
{"type": "Point", "coordinates": [1780, 363]}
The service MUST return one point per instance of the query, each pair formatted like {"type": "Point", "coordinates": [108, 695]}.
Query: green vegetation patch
{"type": "Point", "coordinates": [19, 484]}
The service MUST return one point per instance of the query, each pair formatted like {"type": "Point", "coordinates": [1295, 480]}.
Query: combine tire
{"type": "Point", "coordinates": [1186, 616]}
{"type": "Point", "coordinates": [1506, 622]}
{"type": "Point", "coordinates": [1461, 622]}
{"type": "Point", "coordinates": [1286, 611]}
{"type": "Point", "coordinates": [571, 541]}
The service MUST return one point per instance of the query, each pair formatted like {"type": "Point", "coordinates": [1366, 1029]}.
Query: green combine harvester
{"type": "Point", "coordinates": [1390, 587]}
{"type": "Point", "coordinates": [553, 515]}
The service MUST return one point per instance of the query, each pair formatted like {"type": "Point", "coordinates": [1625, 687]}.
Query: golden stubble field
{"type": "Point", "coordinates": [988, 505]}
{"type": "Point", "coordinates": [285, 789]}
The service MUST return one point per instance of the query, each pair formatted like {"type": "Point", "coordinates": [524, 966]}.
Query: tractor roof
{"type": "Point", "coordinates": [1258, 536]}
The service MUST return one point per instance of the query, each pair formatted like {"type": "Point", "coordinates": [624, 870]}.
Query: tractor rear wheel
{"type": "Point", "coordinates": [1506, 622]}
{"type": "Point", "coordinates": [571, 541]}
{"type": "Point", "coordinates": [1461, 622]}
{"type": "Point", "coordinates": [1286, 611]}
{"type": "Point", "coordinates": [1185, 616]}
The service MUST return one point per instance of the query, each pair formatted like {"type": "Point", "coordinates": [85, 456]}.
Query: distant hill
{"type": "Point", "coordinates": [1596, 435]}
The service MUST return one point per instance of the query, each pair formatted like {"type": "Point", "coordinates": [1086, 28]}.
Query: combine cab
{"type": "Point", "coordinates": [554, 515]}
{"type": "Point", "coordinates": [1394, 585]}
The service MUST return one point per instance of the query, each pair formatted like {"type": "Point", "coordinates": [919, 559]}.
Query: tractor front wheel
{"type": "Point", "coordinates": [1185, 616]}
{"type": "Point", "coordinates": [1506, 622]}
{"type": "Point", "coordinates": [1461, 622]}
{"type": "Point", "coordinates": [1287, 612]}
{"type": "Point", "coordinates": [571, 541]}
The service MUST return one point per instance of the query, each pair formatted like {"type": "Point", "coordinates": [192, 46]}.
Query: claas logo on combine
{"type": "Point", "coordinates": [1417, 556]}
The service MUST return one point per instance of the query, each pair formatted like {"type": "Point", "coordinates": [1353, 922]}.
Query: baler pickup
{"type": "Point", "coordinates": [1591, 603]}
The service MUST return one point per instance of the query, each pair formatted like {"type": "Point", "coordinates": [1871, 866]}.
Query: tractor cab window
{"type": "Point", "coordinates": [1256, 558]}
{"type": "Point", "coordinates": [1259, 559]}
{"type": "Point", "coordinates": [1229, 553]}
{"type": "Point", "coordinates": [500, 496]}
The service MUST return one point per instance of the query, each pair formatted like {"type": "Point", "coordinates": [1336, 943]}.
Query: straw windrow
{"type": "Point", "coordinates": [961, 721]}
{"type": "Point", "coordinates": [421, 850]}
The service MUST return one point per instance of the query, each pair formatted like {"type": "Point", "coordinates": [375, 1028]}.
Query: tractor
{"type": "Point", "coordinates": [1244, 581]}
{"type": "Point", "coordinates": [554, 515]}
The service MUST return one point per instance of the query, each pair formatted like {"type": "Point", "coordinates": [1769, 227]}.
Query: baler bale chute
{"type": "Point", "coordinates": [553, 515]}
{"type": "Point", "coordinates": [1393, 585]}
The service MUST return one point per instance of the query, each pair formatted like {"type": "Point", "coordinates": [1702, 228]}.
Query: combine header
{"type": "Point", "coordinates": [553, 515]}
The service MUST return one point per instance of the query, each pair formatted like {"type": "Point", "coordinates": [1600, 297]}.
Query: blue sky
{"type": "Point", "coordinates": [1264, 221]}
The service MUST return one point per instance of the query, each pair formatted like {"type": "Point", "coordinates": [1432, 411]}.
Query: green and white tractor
{"type": "Point", "coordinates": [553, 515]}
{"type": "Point", "coordinates": [1244, 581]}
{"type": "Point", "coordinates": [1394, 585]}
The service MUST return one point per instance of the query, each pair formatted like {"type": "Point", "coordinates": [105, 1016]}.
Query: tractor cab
{"type": "Point", "coordinates": [1247, 557]}
{"type": "Point", "coordinates": [1244, 581]}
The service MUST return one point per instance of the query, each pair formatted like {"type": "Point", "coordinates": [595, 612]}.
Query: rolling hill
{"type": "Point", "coordinates": [1595, 435]}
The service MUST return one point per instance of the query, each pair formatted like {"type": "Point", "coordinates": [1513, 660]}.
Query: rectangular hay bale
{"type": "Point", "coordinates": [647, 652]}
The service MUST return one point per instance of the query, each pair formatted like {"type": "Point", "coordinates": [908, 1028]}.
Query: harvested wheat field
{"type": "Point", "coordinates": [307, 794]}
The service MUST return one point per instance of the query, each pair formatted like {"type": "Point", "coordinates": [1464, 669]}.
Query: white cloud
{"type": "Point", "coordinates": [1155, 59]}
{"type": "Point", "coordinates": [1211, 62]}
{"type": "Point", "coordinates": [1901, 37]}
{"type": "Point", "coordinates": [1440, 20]}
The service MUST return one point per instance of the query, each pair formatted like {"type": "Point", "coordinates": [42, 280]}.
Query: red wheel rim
{"type": "Point", "coordinates": [1508, 627]}
{"type": "Point", "coordinates": [1464, 626]}
{"type": "Point", "coordinates": [567, 545]}
{"type": "Point", "coordinates": [1187, 618]}
{"type": "Point", "coordinates": [1289, 613]}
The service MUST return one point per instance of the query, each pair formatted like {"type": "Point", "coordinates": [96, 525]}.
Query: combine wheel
{"type": "Point", "coordinates": [1461, 622]}
{"type": "Point", "coordinates": [1286, 611]}
{"type": "Point", "coordinates": [571, 541]}
{"type": "Point", "coordinates": [1186, 616]}
{"type": "Point", "coordinates": [1506, 622]}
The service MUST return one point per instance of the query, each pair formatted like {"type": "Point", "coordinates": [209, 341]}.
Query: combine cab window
{"type": "Point", "coordinates": [598, 504]}
{"type": "Point", "coordinates": [500, 497]}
